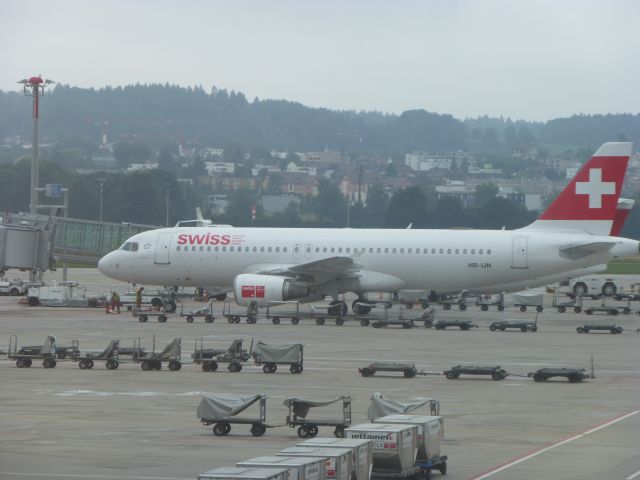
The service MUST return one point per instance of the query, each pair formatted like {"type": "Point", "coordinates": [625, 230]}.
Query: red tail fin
{"type": "Point", "coordinates": [622, 213]}
{"type": "Point", "coordinates": [588, 203]}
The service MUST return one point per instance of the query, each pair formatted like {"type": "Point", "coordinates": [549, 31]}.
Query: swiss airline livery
{"type": "Point", "coordinates": [573, 237]}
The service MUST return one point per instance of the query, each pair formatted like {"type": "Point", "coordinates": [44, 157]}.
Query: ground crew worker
{"type": "Point", "coordinates": [139, 297]}
{"type": "Point", "coordinates": [115, 302]}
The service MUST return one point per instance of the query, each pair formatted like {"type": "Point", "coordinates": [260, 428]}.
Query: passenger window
{"type": "Point", "coordinates": [278, 249]}
{"type": "Point", "coordinates": [480, 251]}
{"type": "Point", "coordinates": [464, 251]}
{"type": "Point", "coordinates": [379, 250]}
{"type": "Point", "coordinates": [262, 249]}
{"type": "Point", "coordinates": [340, 250]}
{"type": "Point", "coordinates": [402, 250]}
{"type": "Point", "coordinates": [433, 251]}
{"type": "Point", "coordinates": [489, 251]}
{"type": "Point", "coordinates": [441, 251]}
{"type": "Point", "coordinates": [317, 249]}
{"type": "Point", "coordinates": [246, 249]}
{"type": "Point", "coordinates": [386, 250]}
{"type": "Point", "coordinates": [333, 249]}
{"type": "Point", "coordinates": [284, 249]}
{"type": "Point", "coordinates": [457, 251]}
{"type": "Point", "coordinates": [370, 250]}
{"type": "Point", "coordinates": [410, 250]}
{"type": "Point", "coordinates": [224, 249]}
{"type": "Point", "coordinates": [324, 249]}
{"type": "Point", "coordinates": [393, 250]}
{"type": "Point", "coordinates": [178, 248]}
{"type": "Point", "coordinates": [193, 249]}
{"type": "Point", "coordinates": [202, 248]}
{"type": "Point", "coordinates": [473, 251]}
{"type": "Point", "coordinates": [255, 249]}
{"type": "Point", "coordinates": [269, 249]}
{"type": "Point", "coordinates": [231, 249]}
{"type": "Point", "coordinates": [216, 248]}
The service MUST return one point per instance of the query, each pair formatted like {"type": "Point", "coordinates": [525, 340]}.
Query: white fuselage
{"type": "Point", "coordinates": [442, 260]}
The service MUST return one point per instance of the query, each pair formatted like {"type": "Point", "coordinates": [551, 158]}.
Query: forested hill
{"type": "Point", "coordinates": [161, 113]}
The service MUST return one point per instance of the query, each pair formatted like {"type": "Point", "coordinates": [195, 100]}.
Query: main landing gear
{"type": "Point", "coordinates": [338, 309]}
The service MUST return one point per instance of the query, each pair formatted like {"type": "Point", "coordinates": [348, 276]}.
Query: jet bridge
{"type": "Point", "coordinates": [26, 244]}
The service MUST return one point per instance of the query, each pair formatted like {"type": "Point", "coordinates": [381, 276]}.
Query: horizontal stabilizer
{"type": "Point", "coordinates": [582, 250]}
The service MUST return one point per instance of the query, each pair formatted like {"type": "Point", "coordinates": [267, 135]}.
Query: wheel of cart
{"type": "Point", "coordinates": [270, 356]}
{"type": "Point", "coordinates": [25, 356]}
{"type": "Point", "coordinates": [308, 428]}
{"type": "Point", "coordinates": [109, 355]}
{"type": "Point", "coordinates": [222, 411]}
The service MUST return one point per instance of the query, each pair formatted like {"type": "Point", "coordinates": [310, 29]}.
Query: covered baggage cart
{"type": "Point", "coordinates": [205, 312]}
{"type": "Point", "coordinates": [270, 356]}
{"type": "Point", "coordinates": [308, 427]}
{"type": "Point", "coordinates": [524, 300]}
{"type": "Point", "coordinates": [337, 460]}
{"type": "Point", "coordinates": [47, 353]}
{"type": "Point", "coordinates": [245, 473]}
{"type": "Point", "coordinates": [62, 351]}
{"type": "Point", "coordinates": [361, 457]}
{"type": "Point", "coordinates": [209, 358]}
{"type": "Point", "coordinates": [300, 468]}
{"type": "Point", "coordinates": [574, 302]}
{"type": "Point", "coordinates": [493, 301]}
{"type": "Point", "coordinates": [381, 406]}
{"type": "Point", "coordinates": [86, 360]}
{"type": "Point", "coordinates": [221, 411]}
{"type": "Point", "coordinates": [153, 361]}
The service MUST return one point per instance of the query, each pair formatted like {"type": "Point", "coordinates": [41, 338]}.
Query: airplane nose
{"type": "Point", "coordinates": [106, 265]}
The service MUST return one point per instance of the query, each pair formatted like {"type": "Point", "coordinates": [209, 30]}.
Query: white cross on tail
{"type": "Point", "coordinates": [595, 188]}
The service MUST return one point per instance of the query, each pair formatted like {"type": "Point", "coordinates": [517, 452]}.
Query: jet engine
{"type": "Point", "coordinates": [249, 287]}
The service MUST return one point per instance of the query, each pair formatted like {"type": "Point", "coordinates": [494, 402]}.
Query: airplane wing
{"type": "Point", "coordinates": [315, 272]}
{"type": "Point", "coordinates": [575, 251]}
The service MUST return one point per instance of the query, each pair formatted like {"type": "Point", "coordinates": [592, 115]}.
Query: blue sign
{"type": "Point", "coordinates": [54, 190]}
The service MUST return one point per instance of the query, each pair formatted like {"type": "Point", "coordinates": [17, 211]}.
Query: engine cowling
{"type": "Point", "coordinates": [250, 287]}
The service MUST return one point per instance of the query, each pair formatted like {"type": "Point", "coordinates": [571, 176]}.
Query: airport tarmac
{"type": "Point", "coordinates": [130, 424]}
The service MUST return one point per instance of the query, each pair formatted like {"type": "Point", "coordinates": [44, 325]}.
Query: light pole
{"type": "Point", "coordinates": [101, 181]}
{"type": "Point", "coordinates": [34, 87]}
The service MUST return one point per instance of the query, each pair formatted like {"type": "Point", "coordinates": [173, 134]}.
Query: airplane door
{"type": "Point", "coordinates": [162, 248]}
{"type": "Point", "coordinates": [296, 250]}
{"type": "Point", "coordinates": [519, 251]}
{"type": "Point", "coordinates": [308, 250]}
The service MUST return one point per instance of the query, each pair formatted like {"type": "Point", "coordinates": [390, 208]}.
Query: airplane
{"type": "Point", "coordinates": [279, 264]}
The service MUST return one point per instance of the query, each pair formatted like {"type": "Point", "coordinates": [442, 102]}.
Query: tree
{"type": "Point", "coordinates": [485, 193]}
{"type": "Point", "coordinates": [128, 152]}
{"type": "Point", "coordinates": [166, 161]}
{"type": "Point", "coordinates": [406, 206]}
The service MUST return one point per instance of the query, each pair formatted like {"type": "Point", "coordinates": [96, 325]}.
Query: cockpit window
{"type": "Point", "coordinates": [130, 246]}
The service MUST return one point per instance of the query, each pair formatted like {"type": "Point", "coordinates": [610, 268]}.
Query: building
{"type": "Point", "coordinates": [272, 204]}
{"type": "Point", "coordinates": [466, 194]}
{"type": "Point", "coordinates": [212, 152]}
{"type": "Point", "coordinates": [326, 157]}
{"type": "Point", "coordinates": [139, 167]}
{"type": "Point", "coordinates": [219, 168]}
{"type": "Point", "coordinates": [298, 183]}
{"type": "Point", "coordinates": [424, 162]}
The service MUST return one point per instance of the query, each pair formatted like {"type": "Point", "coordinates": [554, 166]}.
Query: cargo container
{"type": "Point", "coordinates": [337, 460]}
{"type": "Point", "coordinates": [430, 433]}
{"type": "Point", "coordinates": [394, 446]}
{"type": "Point", "coordinates": [300, 468]}
{"type": "Point", "coordinates": [361, 458]}
{"type": "Point", "coordinates": [243, 473]}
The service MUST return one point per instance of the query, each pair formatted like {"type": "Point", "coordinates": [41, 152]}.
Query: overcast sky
{"type": "Point", "coordinates": [533, 60]}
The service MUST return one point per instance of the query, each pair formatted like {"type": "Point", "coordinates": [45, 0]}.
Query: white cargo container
{"type": "Point", "coordinates": [362, 453]}
{"type": "Point", "coordinates": [394, 446]}
{"type": "Point", "coordinates": [243, 473]}
{"type": "Point", "coordinates": [300, 468]}
{"type": "Point", "coordinates": [337, 460]}
{"type": "Point", "coordinates": [430, 433]}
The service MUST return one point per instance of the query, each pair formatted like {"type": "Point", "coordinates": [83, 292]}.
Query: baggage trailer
{"type": "Point", "coordinates": [609, 310]}
{"type": "Point", "coordinates": [361, 453]}
{"type": "Point", "coordinates": [144, 315]}
{"type": "Point", "coordinates": [204, 312]}
{"type": "Point", "coordinates": [244, 473]}
{"type": "Point", "coordinates": [270, 356]}
{"type": "Point", "coordinates": [209, 358]}
{"type": "Point", "coordinates": [308, 427]}
{"type": "Point", "coordinates": [515, 324]}
{"type": "Point", "coordinates": [448, 301]}
{"type": "Point", "coordinates": [408, 369]}
{"type": "Point", "coordinates": [86, 360]}
{"type": "Point", "coordinates": [575, 302]}
{"type": "Point", "coordinates": [300, 468]}
{"type": "Point", "coordinates": [574, 375]}
{"type": "Point", "coordinates": [321, 313]}
{"type": "Point", "coordinates": [47, 353]}
{"type": "Point", "coordinates": [461, 324]}
{"type": "Point", "coordinates": [381, 406]}
{"type": "Point", "coordinates": [427, 317]}
{"type": "Point", "coordinates": [277, 317]}
{"type": "Point", "coordinates": [337, 460]}
{"type": "Point", "coordinates": [251, 314]}
{"type": "Point", "coordinates": [611, 328]}
{"type": "Point", "coordinates": [528, 300]}
{"type": "Point", "coordinates": [62, 352]}
{"type": "Point", "coordinates": [221, 411]}
{"type": "Point", "coordinates": [496, 372]}
{"type": "Point", "coordinates": [153, 361]}
{"type": "Point", "coordinates": [494, 301]}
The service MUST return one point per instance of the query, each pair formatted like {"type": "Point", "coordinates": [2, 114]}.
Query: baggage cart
{"type": "Point", "coordinates": [244, 473]}
{"type": "Point", "coordinates": [222, 411]}
{"type": "Point", "coordinates": [515, 324]}
{"type": "Point", "coordinates": [86, 360]}
{"type": "Point", "coordinates": [134, 351]}
{"type": "Point", "coordinates": [300, 468]}
{"type": "Point", "coordinates": [153, 361]}
{"type": "Point", "coordinates": [62, 351]}
{"type": "Point", "coordinates": [308, 427]}
{"type": "Point", "coordinates": [337, 460]}
{"type": "Point", "coordinates": [461, 324]}
{"type": "Point", "coordinates": [46, 353]}
{"type": "Point", "coordinates": [575, 302]}
{"type": "Point", "coordinates": [574, 375]}
{"type": "Point", "coordinates": [494, 301]}
{"type": "Point", "coordinates": [209, 358]}
{"type": "Point", "coordinates": [408, 369]}
{"type": "Point", "coordinates": [381, 406]}
{"type": "Point", "coordinates": [251, 314]}
{"type": "Point", "coordinates": [361, 453]}
{"type": "Point", "coordinates": [321, 313]}
{"type": "Point", "coordinates": [144, 315]}
{"type": "Point", "coordinates": [205, 312]}
{"type": "Point", "coordinates": [611, 328]}
{"type": "Point", "coordinates": [496, 372]}
{"type": "Point", "coordinates": [270, 356]}
{"type": "Point", "coordinates": [524, 300]}
{"type": "Point", "coordinates": [276, 318]}
{"type": "Point", "coordinates": [447, 302]}
{"type": "Point", "coordinates": [609, 309]}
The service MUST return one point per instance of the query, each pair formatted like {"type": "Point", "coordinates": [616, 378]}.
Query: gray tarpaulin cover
{"type": "Point", "coordinates": [301, 406]}
{"type": "Point", "coordinates": [225, 405]}
{"type": "Point", "coordinates": [172, 350]}
{"type": "Point", "coordinates": [49, 347]}
{"type": "Point", "coordinates": [527, 298]}
{"type": "Point", "coordinates": [287, 353]}
{"type": "Point", "coordinates": [381, 406]}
